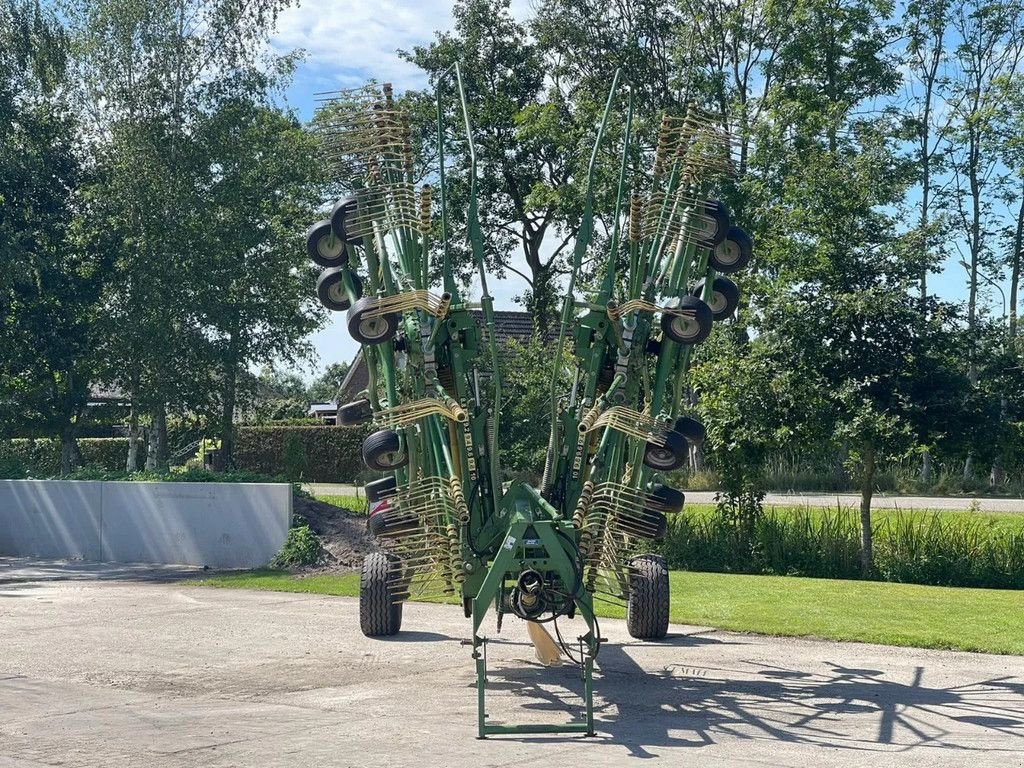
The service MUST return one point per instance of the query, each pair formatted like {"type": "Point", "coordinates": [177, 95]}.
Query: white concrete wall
{"type": "Point", "coordinates": [221, 525]}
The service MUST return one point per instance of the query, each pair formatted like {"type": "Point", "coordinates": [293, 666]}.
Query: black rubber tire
{"type": "Point", "coordinates": [323, 247]}
{"type": "Point", "coordinates": [732, 254]}
{"type": "Point", "coordinates": [725, 297]}
{"type": "Point", "coordinates": [647, 606]}
{"type": "Point", "coordinates": [388, 523]}
{"type": "Point", "coordinates": [371, 331]}
{"type": "Point", "coordinates": [653, 347]}
{"type": "Point", "coordinates": [339, 213]}
{"type": "Point", "coordinates": [379, 614]}
{"type": "Point", "coordinates": [718, 213]}
{"type": "Point", "coordinates": [665, 498]}
{"type": "Point", "coordinates": [383, 452]}
{"type": "Point", "coordinates": [672, 455]}
{"type": "Point", "coordinates": [330, 288]}
{"type": "Point", "coordinates": [644, 524]}
{"type": "Point", "coordinates": [354, 413]}
{"type": "Point", "coordinates": [688, 330]}
{"type": "Point", "coordinates": [380, 489]}
{"type": "Point", "coordinates": [694, 432]}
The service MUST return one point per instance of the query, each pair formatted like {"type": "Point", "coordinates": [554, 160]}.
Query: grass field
{"type": "Point", "coordinates": [986, 620]}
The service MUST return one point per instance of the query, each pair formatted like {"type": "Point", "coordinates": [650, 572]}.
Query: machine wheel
{"type": "Point", "coordinates": [342, 209]}
{"type": "Point", "coordinates": [714, 224]}
{"type": "Point", "coordinates": [734, 253]}
{"type": "Point", "coordinates": [685, 329]}
{"type": "Point", "coordinates": [645, 524]}
{"type": "Point", "coordinates": [691, 429]}
{"type": "Point", "coordinates": [647, 607]}
{"type": "Point", "coordinates": [672, 455]}
{"type": "Point", "coordinates": [383, 451]}
{"type": "Point", "coordinates": [380, 489]}
{"type": "Point", "coordinates": [370, 330]}
{"type": "Point", "coordinates": [358, 412]}
{"type": "Point", "coordinates": [725, 297]}
{"type": "Point", "coordinates": [330, 288]}
{"type": "Point", "coordinates": [665, 498]}
{"type": "Point", "coordinates": [323, 247]}
{"type": "Point", "coordinates": [379, 614]}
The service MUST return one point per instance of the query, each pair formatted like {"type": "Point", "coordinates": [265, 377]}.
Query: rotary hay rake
{"type": "Point", "coordinates": [446, 524]}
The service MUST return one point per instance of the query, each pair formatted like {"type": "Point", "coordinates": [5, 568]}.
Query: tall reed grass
{"type": "Point", "coordinates": [931, 548]}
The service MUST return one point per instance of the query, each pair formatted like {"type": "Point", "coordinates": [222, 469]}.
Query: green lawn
{"type": "Point", "coordinates": [863, 611]}
{"type": "Point", "coordinates": [351, 503]}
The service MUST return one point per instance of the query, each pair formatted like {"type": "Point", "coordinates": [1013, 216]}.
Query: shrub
{"type": "Point", "coordinates": [332, 454]}
{"type": "Point", "coordinates": [302, 547]}
{"type": "Point", "coordinates": [41, 457]}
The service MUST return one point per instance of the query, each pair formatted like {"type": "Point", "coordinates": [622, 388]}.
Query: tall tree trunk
{"type": "Point", "coordinates": [227, 418]}
{"type": "Point", "coordinates": [157, 459]}
{"type": "Point", "coordinates": [131, 463]}
{"type": "Point", "coordinates": [926, 467]}
{"type": "Point", "coordinates": [1015, 259]}
{"type": "Point", "coordinates": [867, 488]}
{"type": "Point", "coordinates": [70, 457]}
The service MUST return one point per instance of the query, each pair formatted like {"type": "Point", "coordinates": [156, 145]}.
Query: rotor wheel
{"type": "Point", "coordinates": [343, 209]}
{"type": "Point", "coordinates": [380, 614]}
{"type": "Point", "coordinates": [368, 327]}
{"type": "Point", "coordinates": [332, 291]}
{"type": "Point", "coordinates": [648, 602]}
{"type": "Point", "coordinates": [665, 498]}
{"type": "Point", "coordinates": [714, 223]}
{"type": "Point", "coordinates": [694, 432]}
{"type": "Point", "coordinates": [644, 524]}
{"type": "Point", "coordinates": [354, 413]}
{"type": "Point", "coordinates": [323, 247]}
{"type": "Point", "coordinates": [724, 298]}
{"type": "Point", "coordinates": [733, 253]}
{"type": "Point", "coordinates": [691, 328]}
{"type": "Point", "coordinates": [383, 452]}
{"type": "Point", "coordinates": [380, 489]}
{"type": "Point", "coordinates": [672, 455]}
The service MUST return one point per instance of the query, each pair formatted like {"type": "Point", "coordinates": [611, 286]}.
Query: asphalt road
{"type": "Point", "coordinates": [981, 503]}
{"type": "Point", "coordinates": [129, 672]}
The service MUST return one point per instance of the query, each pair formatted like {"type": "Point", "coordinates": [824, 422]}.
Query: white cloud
{"type": "Point", "coordinates": [349, 42]}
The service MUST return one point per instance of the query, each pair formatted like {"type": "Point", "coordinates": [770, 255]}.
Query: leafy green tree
{"type": "Point", "coordinates": [50, 284]}
{"type": "Point", "coordinates": [325, 387]}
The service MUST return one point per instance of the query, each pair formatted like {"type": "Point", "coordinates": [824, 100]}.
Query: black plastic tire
{"type": "Point", "coordinates": [341, 211]}
{"type": "Point", "coordinates": [354, 413]}
{"type": "Point", "coordinates": [725, 297]}
{"type": "Point", "coordinates": [370, 330]}
{"type": "Point", "coordinates": [383, 452]}
{"type": "Point", "coordinates": [665, 498]}
{"type": "Point", "coordinates": [672, 455]}
{"type": "Point", "coordinates": [380, 489]}
{"type": "Point", "coordinates": [694, 432]}
{"type": "Point", "coordinates": [647, 606]}
{"type": "Point", "coordinates": [323, 247]}
{"type": "Point", "coordinates": [644, 524]}
{"type": "Point", "coordinates": [716, 222]}
{"type": "Point", "coordinates": [331, 290]}
{"type": "Point", "coordinates": [732, 254]}
{"type": "Point", "coordinates": [688, 330]}
{"type": "Point", "coordinates": [379, 614]}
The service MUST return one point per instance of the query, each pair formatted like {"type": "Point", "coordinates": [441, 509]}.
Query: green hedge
{"type": "Point", "coordinates": [41, 457]}
{"type": "Point", "coordinates": [311, 454]}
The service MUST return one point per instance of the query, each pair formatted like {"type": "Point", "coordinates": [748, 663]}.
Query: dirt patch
{"type": "Point", "coordinates": [342, 533]}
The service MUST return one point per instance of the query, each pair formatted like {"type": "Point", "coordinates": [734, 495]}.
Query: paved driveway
{"type": "Point", "coordinates": [139, 673]}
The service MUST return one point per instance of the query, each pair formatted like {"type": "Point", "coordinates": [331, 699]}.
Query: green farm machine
{"type": "Point", "coordinates": [446, 522]}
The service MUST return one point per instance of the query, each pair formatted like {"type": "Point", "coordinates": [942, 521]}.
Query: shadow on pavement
{"type": "Point", "coordinates": [693, 706]}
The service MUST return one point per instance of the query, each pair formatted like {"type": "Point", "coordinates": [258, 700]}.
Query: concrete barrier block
{"type": "Point", "coordinates": [50, 519]}
{"type": "Point", "coordinates": [221, 525]}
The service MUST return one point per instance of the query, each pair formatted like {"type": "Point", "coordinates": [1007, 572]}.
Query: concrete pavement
{"type": "Point", "coordinates": [981, 503]}
{"type": "Point", "coordinates": [130, 673]}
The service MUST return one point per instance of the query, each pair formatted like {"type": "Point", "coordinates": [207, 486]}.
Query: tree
{"type": "Point", "coordinates": [326, 386]}
{"type": "Point", "coordinates": [255, 301]}
{"type": "Point", "coordinates": [525, 142]}
{"type": "Point", "coordinates": [50, 284]}
{"type": "Point", "coordinates": [150, 70]}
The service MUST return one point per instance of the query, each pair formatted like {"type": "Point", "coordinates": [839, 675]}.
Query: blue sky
{"type": "Point", "coordinates": [349, 42]}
